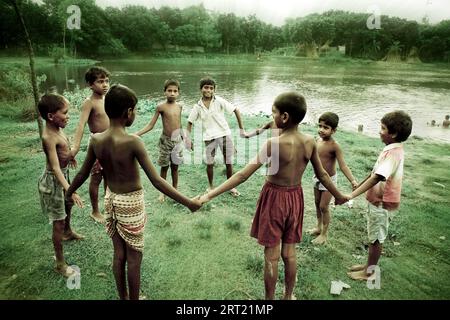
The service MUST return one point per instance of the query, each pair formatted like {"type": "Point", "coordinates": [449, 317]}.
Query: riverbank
{"type": "Point", "coordinates": [209, 254]}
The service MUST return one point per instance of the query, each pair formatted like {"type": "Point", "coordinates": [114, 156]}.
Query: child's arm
{"type": "Point", "coordinates": [344, 168]}
{"type": "Point", "coordinates": [50, 151]}
{"type": "Point", "coordinates": [84, 172]}
{"type": "Point", "coordinates": [242, 175]}
{"type": "Point", "coordinates": [187, 138]}
{"type": "Point", "coordinates": [239, 121]}
{"type": "Point", "coordinates": [324, 178]}
{"type": "Point", "coordinates": [84, 116]}
{"type": "Point", "coordinates": [259, 130]}
{"type": "Point", "coordinates": [151, 124]}
{"type": "Point", "coordinates": [158, 182]}
{"type": "Point", "coordinates": [371, 181]}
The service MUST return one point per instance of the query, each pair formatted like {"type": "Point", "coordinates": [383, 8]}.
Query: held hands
{"type": "Point", "coordinates": [342, 199]}
{"type": "Point", "coordinates": [75, 198]}
{"type": "Point", "coordinates": [198, 201]}
{"type": "Point", "coordinates": [354, 185]}
{"type": "Point", "coordinates": [204, 198]}
{"type": "Point", "coordinates": [72, 160]}
{"type": "Point", "coordinates": [195, 204]}
{"type": "Point", "coordinates": [243, 134]}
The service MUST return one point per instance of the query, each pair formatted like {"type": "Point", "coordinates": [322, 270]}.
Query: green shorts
{"type": "Point", "coordinates": [170, 150]}
{"type": "Point", "coordinates": [51, 194]}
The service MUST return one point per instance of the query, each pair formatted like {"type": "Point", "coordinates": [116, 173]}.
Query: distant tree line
{"type": "Point", "coordinates": [116, 32]}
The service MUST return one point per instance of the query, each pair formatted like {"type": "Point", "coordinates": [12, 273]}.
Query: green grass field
{"type": "Point", "coordinates": [209, 254]}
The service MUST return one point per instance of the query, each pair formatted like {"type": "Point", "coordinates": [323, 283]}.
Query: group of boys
{"type": "Point", "coordinates": [116, 156]}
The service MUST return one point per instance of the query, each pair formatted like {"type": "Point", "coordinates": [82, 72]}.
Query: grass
{"type": "Point", "coordinates": [209, 254]}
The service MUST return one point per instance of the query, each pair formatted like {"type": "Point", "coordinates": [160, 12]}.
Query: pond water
{"type": "Point", "coordinates": [358, 93]}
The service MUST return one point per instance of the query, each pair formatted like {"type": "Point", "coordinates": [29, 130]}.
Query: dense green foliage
{"type": "Point", "coordinates": [115, 32]}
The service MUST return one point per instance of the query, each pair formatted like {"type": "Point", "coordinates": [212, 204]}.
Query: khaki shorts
{"type": "Point", "coordinates": [51, 194]}
{"type": "Point", "coordinates": [225, 144]}
{"type": "Point", "coordinates": [377, 223]}
{"type": "Point", "coordinates": [170, 150]}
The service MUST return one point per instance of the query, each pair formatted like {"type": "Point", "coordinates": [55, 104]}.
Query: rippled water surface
{"type": "Point", "coordinates": [359, 94]}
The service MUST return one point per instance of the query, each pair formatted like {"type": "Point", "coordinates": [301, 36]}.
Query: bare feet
{"type": "Point", "coordinates": [321, 239]}
{"type": "Point", "coordinates": [314, 232]}
{"type": "Point", "coordinates": [235, 193]}
{"type": "Point", "coordinates": [161, 198]}
{"type": "Point", "coordinates": [358, 267]}
{"type": "Point", "coordinates": [359, 275]}
{"type": "Point", "coordinates": [291, 297]}
{"type": "Point", "coordinates": [72, 235]}
{"type": "Point", "coordinates": [98, 217]}
{"type": "Point", "coordinates": [64, 270]}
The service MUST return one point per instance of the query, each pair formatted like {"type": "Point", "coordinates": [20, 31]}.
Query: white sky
{"type": "Point", "coordinates": [276, 11]}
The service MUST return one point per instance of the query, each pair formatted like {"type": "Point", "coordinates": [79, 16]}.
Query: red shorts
{"type": "Point", "coordinates": [279, 215]}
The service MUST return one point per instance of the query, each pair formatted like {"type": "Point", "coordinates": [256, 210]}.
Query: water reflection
{"type": "Point", "coordinates": [358, 94]}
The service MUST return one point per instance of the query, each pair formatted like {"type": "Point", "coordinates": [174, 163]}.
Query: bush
{"type": "Point", "coordinates": [57, 54]}
{"type": "Point", "coordinates": [77, 96]}
{"type": "Point", "coordinates": [15, 84]}
{"type": "Point", "coordinates": [114, 48]}
{"type": "Point", "coordinates": [146, 106]}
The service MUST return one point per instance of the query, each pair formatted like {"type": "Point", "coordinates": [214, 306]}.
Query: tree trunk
{"type": "Point", "coordinates": [33, 73]}
{"type": "Point", "coordinates": [64, 40]}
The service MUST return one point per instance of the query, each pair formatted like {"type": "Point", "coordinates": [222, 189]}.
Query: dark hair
{"type": "Point", "coordinates": [50, 103]}
{"type": "Point", "coordinates": [330, 118]}
{"type": "Point", "coordinates": [94, 73]}
{"type": "Point", "coordinates": [398, 122]}
{"type": "Point", "coordinates": [171, 82]}
{"type": "Point", "coordinates": [292, 103]}
{"type": "Point", "coordinates": [207, 81]}
{"type": "Point", "coordinates": [118, 100]}
{"type": "Point", "coordinates": [447, 116]}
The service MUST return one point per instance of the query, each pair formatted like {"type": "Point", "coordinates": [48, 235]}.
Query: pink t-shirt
{"type": "Point", "coordinates": [390, 166]}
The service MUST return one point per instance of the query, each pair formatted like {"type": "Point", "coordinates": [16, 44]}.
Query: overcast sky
{"type": "Point", "coordinates": [276, 11]}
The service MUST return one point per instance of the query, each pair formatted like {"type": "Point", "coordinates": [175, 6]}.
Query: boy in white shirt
{"type": "Point", "coordinates": [216, 132]}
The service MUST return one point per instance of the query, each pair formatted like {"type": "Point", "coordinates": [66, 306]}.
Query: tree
{"type": "Point", "coordinates": [31, 56]}
{"type": "Point", "coordinates": [229, 28]}
{"type": "Point", "coordinates": [252, 29]}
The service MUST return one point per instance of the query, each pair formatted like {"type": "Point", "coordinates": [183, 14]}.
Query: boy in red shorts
{"type": "Point", "coordinates": [279, 212]}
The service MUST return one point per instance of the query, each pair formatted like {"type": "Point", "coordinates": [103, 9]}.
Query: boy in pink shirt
{"type": "Point", "coordinates": [383, 187]}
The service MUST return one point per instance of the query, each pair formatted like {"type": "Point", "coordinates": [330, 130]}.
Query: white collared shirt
{"type": "Point", "coordinates": [213, 119]}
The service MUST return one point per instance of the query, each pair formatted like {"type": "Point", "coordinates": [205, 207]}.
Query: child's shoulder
{"type": "Point", "coordinates": [307, 138]}
{"type": "Point", "coordinates": [88, 102]}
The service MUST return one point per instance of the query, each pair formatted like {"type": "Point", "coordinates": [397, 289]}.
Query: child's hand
{"type": "Point", "coordinates": [341, 200]}
{"type": "Point", "coordinates": [76, 198]}
{"type": "Point", "coordinates": [354, 185]}
{"type": "Point", "coordinates": [243, 134]}
{"type": "Point", "coordinates": [195, 204]}
{"type": "Point", "coordinates": [73, 163]}
{"type": "Point", "coordinates": [204, 198]}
